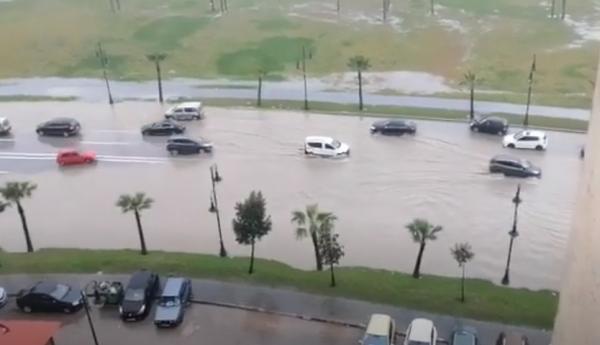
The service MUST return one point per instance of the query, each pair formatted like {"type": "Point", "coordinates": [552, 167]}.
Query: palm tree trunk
{"type": "Point", "coordinates": [143, 251]}
{"type": "Point", "coordinates": [462, 285]}
{"type": "Point", "coordinates": [25, 228]}
{"type": "Point", "coordinates": [417, 270]}
{"type": "Point", "coordinates": [315, 241]}
{"type": "Point", "coordinates": [259, 96]}
{"type": "Point", "coordinates": [360, 94]}
{"type": "Point", "coordinates": [158, 76]}
{"type": "Point", "coordinates": [251, 269]}
{"type": "Point", "coordinates": [472, 113]}
{"type": "Point", "coordinates": [332, 275]}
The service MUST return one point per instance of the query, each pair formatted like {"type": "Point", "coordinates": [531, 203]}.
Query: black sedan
{"type": "Point", "coordinates": [139, 294]}
{"type": "Point", "coordinates": [489, 124]}
{"type": "Point", "coordinates": [48, 296]}
{"type": "Point", "coordinates": [512, 166]}
{"type": "Point", "coordinates": [63, 127]}
{"type": "Point", "coordinates": [165, 127]}
{"type": "Point", "coordinates": [394, 127]}
{"type": "Point", "coordinates": [177, 146]}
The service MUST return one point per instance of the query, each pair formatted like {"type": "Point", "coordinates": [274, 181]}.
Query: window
{"type": "Point", "coordinates": [315, 145]}
{"type": "Point", "coordinates": [169, 301]}
{"type": "Point", "coordinates": [529, 138]}
{"type": "Point", "coordinates": [336, 144]}
{"type": "Point", "coordinates": [60, 291]}
{"type": "Point", "coordinates": [329, 147]}
{"type": "Point", "coordinates": [189, 110]}
{"type": "Point", "coordinates": [134, 295]}
{"type": "Point", "coordinates": [179, 110]}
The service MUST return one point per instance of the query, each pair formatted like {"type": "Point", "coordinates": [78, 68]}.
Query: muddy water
{"type": "Point", "coordinates": [439, 174]}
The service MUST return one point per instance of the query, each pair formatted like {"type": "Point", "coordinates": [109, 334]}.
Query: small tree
{"type": "Point", "coordinates": [157, 58]}
{"type": "Point", "coordinates": [14, 193]}
{"type": "Point", "coordinates": [251, 222]}
{"type": "Point", "coordinates": [470, 80]}
{"type": "Point", "coordinates": [312, 223]}
{"type": "Point", "coordinates": [359, 64]}
{"type": "Point", "coordinates": [331, 250]}
{"type": "Point", "coordinates": [261, 75]}
{"type": "Point", "coordinates": [422, 231]}
{"type": "Point", "coordinates": [462, 253]}
{"type": "Point", "coordinates": [136, 203]}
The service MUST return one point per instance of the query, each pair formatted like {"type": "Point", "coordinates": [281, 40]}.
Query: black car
{"type": "Point", "coordinates": [512, 166]}
{"type": "Point", "coordinates": [48, 296]}
{"type": "Point", "coordinates": [489, 124]}
{"type": "Point", "coordinates": [139, 294]}
{"type": "Point", "coordinates": [188, 146]}
{"type": "Point", "coordinates": [394, 127]}
{"type": "Point", "coordinates": [165, 127]}
{"type": "Point", "coordinates": [63, 127]}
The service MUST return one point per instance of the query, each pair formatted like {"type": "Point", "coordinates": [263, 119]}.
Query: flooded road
{"type": "Point", "coordinates": [439, 174]}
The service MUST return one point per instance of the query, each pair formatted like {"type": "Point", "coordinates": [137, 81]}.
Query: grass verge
{"type": "Point", "coordinates": [485, 301]}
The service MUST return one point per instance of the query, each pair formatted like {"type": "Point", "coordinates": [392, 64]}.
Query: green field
{"type": "Point", "coordinates": [496, 39]}
{"type": "Point", "coordinates": [485, 301]}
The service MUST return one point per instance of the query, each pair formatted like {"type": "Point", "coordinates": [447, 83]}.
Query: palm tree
{"type": "Point", "coordinates": [157, 58]}
{"type": "Point", "coordinates": [462, 253]}
{"type": "Point", "coordinates": [422, 231]}
{"type": "Point", "coordinates": [14, 192]}
{"type": "Point", "coordinates": [312, 223]}
{"type": "Point", "coordinates": [359, 63]}
{"type": "Point", "coordinates": [136, 203]}
{"type": "Point", "coordinates": [471, 80]}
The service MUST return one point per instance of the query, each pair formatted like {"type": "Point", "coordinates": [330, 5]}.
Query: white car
{"type": "Point", "coordinates": [421, 332]}
{"type": "Point", "coordinates": [381, 330]}
{"type": "Point", "coordinates": [3, 297]}
{"type": "Point", "coordinates": [534, 140]}
{"type": "Point", "coordinates": [185, 111]}
{"type": "Point", "coordinates": [325, 146]}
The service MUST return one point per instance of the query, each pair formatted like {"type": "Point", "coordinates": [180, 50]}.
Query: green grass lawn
{"type": "Point", "coordinates": [485, 300]}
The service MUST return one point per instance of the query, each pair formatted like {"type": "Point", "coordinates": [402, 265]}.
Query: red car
{"type": "Point", "coordinates": [73, 157]}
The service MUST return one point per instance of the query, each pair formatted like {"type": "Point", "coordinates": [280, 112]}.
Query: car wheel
{"type": "Point", "coordinates": [173, 152]}
{"type": "Point", "coordinates": [67, 310]}
{"type": "Point", "coordinates": [196, 117]}
{"type": "Point", "coordinates": [40, 133]}
{"type": "Point", "coordinates": [65, 134]}
{"type": "Point", "coordinates": [198, 150]}
{"type": "Point", "coordinates": [26, 309]}
{"type": "Point", "coordinates": [539, 148]}
{"type": "Point", "coordinates": [511, 146]}
{"type": "Point", "coordinates": [144, 132]}
{"type": "Point", "coordinates": [475, 129]}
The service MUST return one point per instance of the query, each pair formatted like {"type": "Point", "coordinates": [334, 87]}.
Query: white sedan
{"type": "Point", "coordinates": [534, 140]}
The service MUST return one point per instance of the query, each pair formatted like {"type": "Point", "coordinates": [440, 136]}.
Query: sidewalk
{"type": "Point", "coordinates": [290, 301]}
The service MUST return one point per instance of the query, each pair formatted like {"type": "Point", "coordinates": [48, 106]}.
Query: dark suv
{"type": "Point", "coordinates": [188, 146]}
{"type": "Point", "coordinates": [394, 127]}
{"type": "Point", "coordinates": [489, 124]}
{"type": "Point", "coordinates": [59, 127]}
{"type": "Point", "coordinates": [141, 291]}
{"type": "Point", "coordinates": [512, 166]}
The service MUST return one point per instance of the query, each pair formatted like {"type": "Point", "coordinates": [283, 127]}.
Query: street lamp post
{"type": "Point", "coordinates": [302, 64]}
{"type": "Point", "coordinates": [214, 206]}
{"type": "Point", "coordinates": [513, 234]}
{"type": "Point", "coordinates": [89, 317]}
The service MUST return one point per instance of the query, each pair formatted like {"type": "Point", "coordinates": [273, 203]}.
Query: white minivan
{"type": "Point", "coordinates": [325, 146]}
{"type": "Point", "coordinates": [4, 126]}
{"type": "Point", "coordinates": [185, 111]}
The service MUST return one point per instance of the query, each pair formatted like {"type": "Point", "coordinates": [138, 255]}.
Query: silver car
{"type": "Point", "coordinates": [3, 297]}
{"type": "Point", "coordinates": [174, 299]}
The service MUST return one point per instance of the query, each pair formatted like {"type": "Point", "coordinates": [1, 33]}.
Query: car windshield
{"type": "Point", "coordinates": [463, 339]}
{"type": "Point", "coordinates": [59, 291]}
{"type": "Point", "coordinates": [336, 144]}
{"type": "Point", "coordinates": [375, 340]}
{"type": "Point", "coordinates": [525, 164]}
{"type": "Point", "coordinates": [134, 295]}
{"type": "Point", "coordinates": [169, 301]}
{"type": "Point", "coordinates": [519, 135]}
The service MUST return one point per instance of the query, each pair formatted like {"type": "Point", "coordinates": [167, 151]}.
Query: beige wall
{"type": "Point", "coordinates": [578, 320]}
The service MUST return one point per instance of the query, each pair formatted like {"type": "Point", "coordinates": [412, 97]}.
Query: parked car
{"type": "Point", "coordinates": [59, 127]}
{"type": "Point", "coordinates": [188, 146]}
{"type": "Point", "coordinates": [325, 146]}
{"type": "Point", "coordinates": [489, 124]}
{"type": "Point", "coordinates": [139, 295]}
{"type": "Point", "coordinates": [166, 127]}
{"type": "Point", "coordinates": [537, 140]}
{"type": "Point", "coordinates": [174, 298]}
{"type": "Point", "coordinates": [511, 339]}
{"type": "Point", "coordinates": [464, 336]}
{"type": "Point", "coordinates": [381, 330]}
{"type": "Point", "coordinates": [3, 297]}
{"type": "Point", "coordinates": [47, 296]}
{"type": "Point", "coordinates": [582, 152]}
{"type": "Point", "coordinates": [74, 157]}
{"type": "Point", "coordinates": [4, 126]}
{"type": "Point", "coordinates": [185, 111]}
{"type": "Point", "coordinates": [421, 332]}
{"type": "Point", "coordinates": [513, 166]}
{"type": "Point", "coordinates": [394, 127]}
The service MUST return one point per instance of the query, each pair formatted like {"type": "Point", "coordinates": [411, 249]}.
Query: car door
{"type": "Point", "coordinates": [485, 126]}
{"type": "Point", "coordinates": [47, 303]}
{"type": "Point", "coordinates": [328, 150]}
{"type": "Point", "coordinates": [186, 146]}
{"type": "Point", "coordinates": [528, 142]}
{"type": "Point", "coordinates": [178, 113]}
{"type": "Point", "coordinates": [189, 113]}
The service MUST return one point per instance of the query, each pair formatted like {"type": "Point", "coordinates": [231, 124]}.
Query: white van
{"type": "Point", "coordinates": [185, 111]}
{"type": "Point", "coordinates": [325, 146]}
{"type": "Point", "coordinates": [4, 126]}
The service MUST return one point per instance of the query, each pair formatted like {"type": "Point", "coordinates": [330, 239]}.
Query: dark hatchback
{"type": "Point", "coordinates": [139, 295]}
{"type": "Point", "coordinates": [512, 166]}
{"type": "Point", "coordinates": [63, 127]}
{"type": "Point", "coordinates": [489, 124]}
{"type": "Point", "coordinates": [46, 296]}
{"type": "Point", "coordinates": [166, 127]}
{"type": "Point", "coordinates": [394, 127]}
{"type": "Point", "coordinates": [177, 146]}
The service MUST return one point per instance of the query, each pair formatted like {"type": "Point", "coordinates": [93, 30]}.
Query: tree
{"type": "Point", "coordinates": [312, 223]}
{"type": "Point", "coordinates": [462, 253]}
{"type": "Point", "coordinates": [251, 222]}
{"type": "Point", "coordinates": [261, 74]}
{"type": "Point", "coordinates": [471, 80]}
{"type": "Point", "coordinates": [103, 59]}
{"type": "Point", "coordinates": [136, 203]}
{"type": "Point", "coordinates": [14, 193]}
{"type": "Point", "coordinates": [331, 250]}
{"type": "Point", "coordinates": [564, 9]}
{"type": "Point", "coordinates": [530, 86]}
{"type": "Point", "coordinates": [157, 58]}
{"type": "Point", "coordinates": [422, 231]}
{"type": "Point", "coordinates": [359, 64]}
